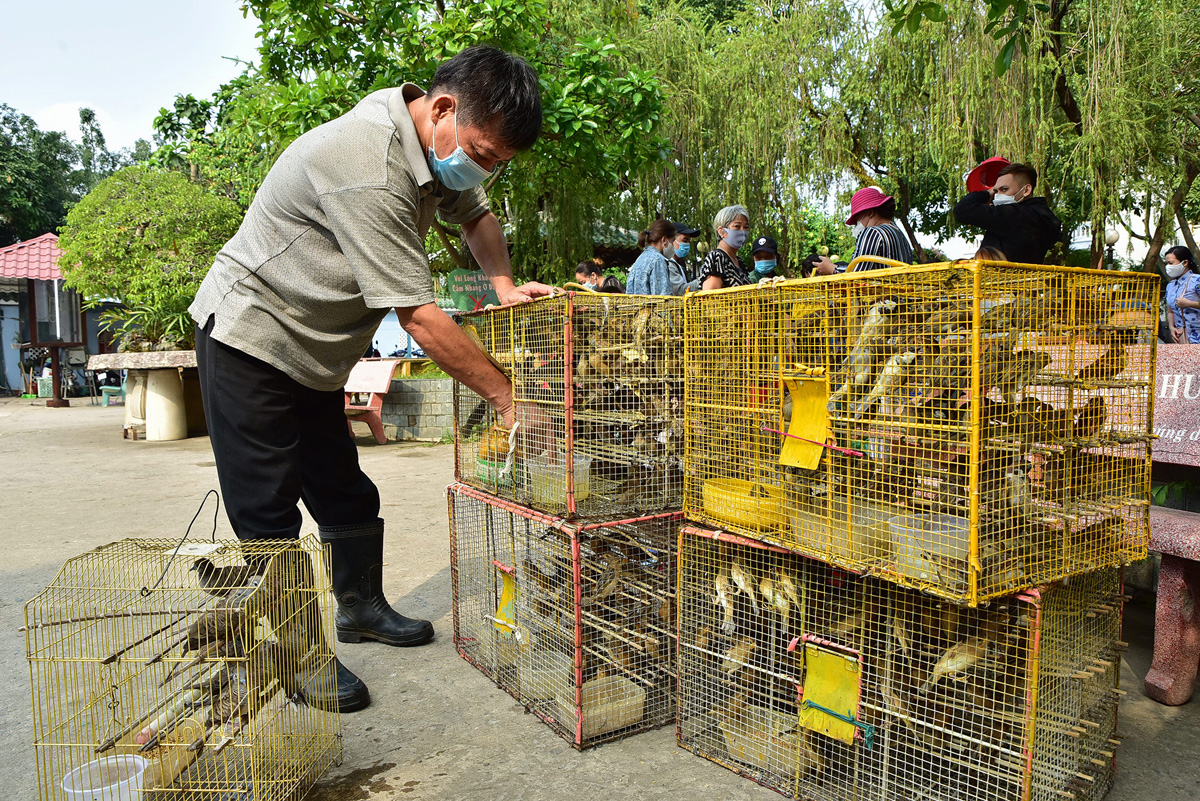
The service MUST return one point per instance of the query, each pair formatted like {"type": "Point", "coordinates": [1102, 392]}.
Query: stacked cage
{"type": "Point", "coordinates": [827, 685]}
{"type": "Point", "coordinates": [575, 620]}
{"type": "Point", "coordinates": [184, 672]}
{"type": "Point", "coordinates": [968, 429]}
{"type": "Point", "coordinates": [598, 386]}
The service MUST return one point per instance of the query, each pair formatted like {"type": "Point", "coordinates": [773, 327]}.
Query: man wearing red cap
{"type": "Point", "coordinates": [872, 216]}
{"type": "Point", "coordinates": [1021, 227]}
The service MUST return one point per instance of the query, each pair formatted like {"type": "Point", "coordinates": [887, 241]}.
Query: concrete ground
{"type": "Point", "coordinates": [437, 728]}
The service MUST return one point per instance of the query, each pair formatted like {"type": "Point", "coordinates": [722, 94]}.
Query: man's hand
{"type": "Point", "coordinates": [537, 429]}
{"type": "Point", "coordinates": [824, 267]}
{"type": "Point", "coordinates": [523, 293]}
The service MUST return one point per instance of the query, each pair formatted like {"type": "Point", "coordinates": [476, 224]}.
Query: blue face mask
{"type": "Point", "coordinates": [735, 239]}
{"type": "Point", "coordinates": [457, 171]}
{"type": "Point", "coordinates": [682, 250]}
{"type": "Point", "coordinates": [765, 268]}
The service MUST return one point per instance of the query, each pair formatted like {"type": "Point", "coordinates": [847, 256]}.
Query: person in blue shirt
{"type": "Point", "coordinates": [653, 273]}
{"type": "Point", "coordinates": [1183, 295]}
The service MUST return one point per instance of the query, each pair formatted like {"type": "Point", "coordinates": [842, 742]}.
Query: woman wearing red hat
{"type": "Point", "coordinates": [872, 216]}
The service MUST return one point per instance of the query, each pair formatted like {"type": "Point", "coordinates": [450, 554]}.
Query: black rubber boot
{"type": "Point", "coordinates": [363, 612]}
{"type": "Point", "coordinates": [297, 623]}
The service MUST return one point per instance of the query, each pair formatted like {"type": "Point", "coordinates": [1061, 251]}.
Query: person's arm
{"type": "Point", "coordinates": [1189, 288]}
{"type": "Point", "coordinates": [454, 352]}
{"type": "Point", "coordinates": [486, 240]}
{"type": "Point", "coordinates": [713, 282]}
{"type": "Point", "coordinates": [976, 209]}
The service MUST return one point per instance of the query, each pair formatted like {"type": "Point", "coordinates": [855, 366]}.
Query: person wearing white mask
{"type": "Point", "coordinates": [587, 273]}
{"type": "Point", "coordinates": [871, 219]}
{"type": "Point", "coordinates": [654, 273]}
{"type": "Point", "coordinates": [1183, 295]}
{"type": "Point", "coordinates": [1013, 221]}
{"type": "Point", "coordinates": [721, 267]}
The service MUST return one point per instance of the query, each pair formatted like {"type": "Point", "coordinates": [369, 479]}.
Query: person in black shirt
{"type": "Point", "coordinates": [1018, 225]}
{"type": "Point", "coordinates": [721, 267]}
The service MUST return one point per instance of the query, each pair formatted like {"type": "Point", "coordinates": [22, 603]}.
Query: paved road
{"type": "Point", "coordinates": [437, 728]}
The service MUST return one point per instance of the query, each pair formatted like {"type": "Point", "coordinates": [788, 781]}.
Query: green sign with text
{"type": "Point", "coordinates": [470, 289]}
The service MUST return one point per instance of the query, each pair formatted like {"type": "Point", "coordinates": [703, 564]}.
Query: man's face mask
{"type": "Point", "coordinates": [682, 249]}
{"type": "Point", "coordinates": [458, 171]}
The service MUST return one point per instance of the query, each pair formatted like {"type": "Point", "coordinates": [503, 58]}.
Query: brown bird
{"type": "Point", "coordinates": [738, 656]}
{"type": "Point", "coordinates": [959, 658]}
{"type": "Point", "coordinates": [220, 581]}
{"type": "Point", "coordinates": [1089, 424]}
{"type": "Point", "coordinates": [1110, 365]}
{"type": "Point", "coordinates": [213, 625]}
{"type": "Point", "coordinates": [1020, 372]}
{"type": "Point", "coordinates": [609, 581]}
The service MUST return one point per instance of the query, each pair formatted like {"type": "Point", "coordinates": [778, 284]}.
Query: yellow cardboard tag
{"type": "Point", "coordinates": [506, 609]}
{"type": "Point", "coordinates": [832, 681]}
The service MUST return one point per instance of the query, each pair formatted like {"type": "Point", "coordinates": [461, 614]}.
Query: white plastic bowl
{"type": "Point", "coordinates": [916, 538]}
{"type": "Point", "coordinates": [113, 778]}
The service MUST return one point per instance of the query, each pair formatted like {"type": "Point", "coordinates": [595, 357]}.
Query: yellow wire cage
{"type": "Point", "coordinates": [828, 686]}
{"type": "Point", "coordinates": [162, 671]}
{"type": "Point", "coordinates": [598, 382]}
{"type": "Point", "coordinates": [574, 620]}
{"type": "Point", "coordinates": [969, 429]}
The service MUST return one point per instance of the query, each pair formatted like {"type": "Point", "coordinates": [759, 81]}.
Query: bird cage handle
{"type": "Point", "coordinates": [145, 592]}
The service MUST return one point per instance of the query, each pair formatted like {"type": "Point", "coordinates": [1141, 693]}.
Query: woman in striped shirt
{"type": "Point", "coordinates": [872, 216]}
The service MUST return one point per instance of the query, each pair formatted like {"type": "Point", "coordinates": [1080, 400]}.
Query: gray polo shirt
{"type": "Point", "coordinates": [334, 238]}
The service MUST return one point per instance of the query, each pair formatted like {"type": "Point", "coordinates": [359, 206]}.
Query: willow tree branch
{"type": "Point", "coordinates": [499, 171]}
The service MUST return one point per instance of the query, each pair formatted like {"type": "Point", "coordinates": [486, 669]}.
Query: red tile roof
{"type": "Point", "coordinates": [33, 258]}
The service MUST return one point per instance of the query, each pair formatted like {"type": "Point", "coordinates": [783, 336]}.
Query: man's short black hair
{"type": "Point", "coordinates": [1023, 172]}
{"type": "Point", "coordinates": [490, 84]}
{"type": "Point", "coordinates": [809, 263]}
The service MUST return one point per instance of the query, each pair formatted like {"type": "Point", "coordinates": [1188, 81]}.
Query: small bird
{"type": "Point", "coordinates": [493, 444]}
{"type": "Point", "coordinates": [1020, 372]}
{"type": "Point", "coordinates": [788, 587]}
{"type": "Point", "coordinates": [1110, 365]}
{"type": "Point", "coordinates": [958, 659]}
{"type": "Point", "coordinates": [215, 624]}
{"type": "Point", "coordinates": [1089, 424]}
{"type": "Point", "coordinates": [889, 379]}
{"type": "Point", "coordinates": [738, 656]}
{"type": "Point", "coordinates": [858, 374]}
{"type": "Point", "coordinates": [609, 581]}
{"type": "Point", "coordinates": [724, 600]}
{"type": "Point", "coordinates": [879, 320]}
{"type": "Point", "coordinates": [220, 581]}
{"type": "Point", "coordinates": [231, 707]}
{"type": "Point", "coordinates": [744, 583]}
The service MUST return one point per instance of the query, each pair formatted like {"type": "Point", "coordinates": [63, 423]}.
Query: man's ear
{"type": "Point", "coordinates": [442, 106]}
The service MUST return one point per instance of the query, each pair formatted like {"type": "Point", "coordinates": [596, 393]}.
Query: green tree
{"type": "Point", "coordinates": [35, 177]}
{"type": "Point", "coordinates": [146, 237]}
{"type": "Point", "coordinates": [318, 59]}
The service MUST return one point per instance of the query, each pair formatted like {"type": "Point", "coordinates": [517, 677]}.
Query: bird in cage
{"type": "Point", "coordinates": [738, 656]}
{"type": "Point", "coordinates": [1111, 363]}
{"type": "Point", "coordinates": [890, 378]}
{"type": "Point", "coordinates": [1020, 371]}
{"type": "Point", "coordinates": [744, 583]}
{"type": "Point", "coordinates": [724, 599]}
{"type": "Point", "coordinates": [220, 581]}
{"type": "Point", "coordinates": [1089, 424]}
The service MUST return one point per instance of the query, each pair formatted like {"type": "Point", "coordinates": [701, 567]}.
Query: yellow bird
{"type": "Point", "coordinates": [958, 659]}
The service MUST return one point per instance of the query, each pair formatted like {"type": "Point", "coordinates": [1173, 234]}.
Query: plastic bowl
{"type": "Point", "coordinates": [917, 538]}
{"type": "Point", "coordinates": [113, 778]}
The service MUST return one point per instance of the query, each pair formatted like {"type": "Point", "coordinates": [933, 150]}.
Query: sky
{"type": "Point", "coordinates": [125, 59]}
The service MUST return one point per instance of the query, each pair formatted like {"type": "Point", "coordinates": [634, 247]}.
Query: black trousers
{"type": "Point", "coordinates": [278, 442]}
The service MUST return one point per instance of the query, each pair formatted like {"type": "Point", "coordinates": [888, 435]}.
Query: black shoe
{"type": "Point", "coordinates": [363, 612]}
{"type": "Point", "coordinates": [350, 694]}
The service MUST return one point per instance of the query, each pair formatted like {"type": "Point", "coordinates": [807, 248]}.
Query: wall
{"type": "Point", "coordinates": [419, 408]}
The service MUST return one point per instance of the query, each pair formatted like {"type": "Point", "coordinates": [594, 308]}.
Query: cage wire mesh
{"type": "Point", "coordinates": [968, 429]}
{"type": "Point", "coordinates": [598, 381]}
{"type": "Point", "coordinates": [574, 621]}
{"type": "Point", "coordinates": [192, 675]}
{"type": "Point", "coordinates": [829, 686]}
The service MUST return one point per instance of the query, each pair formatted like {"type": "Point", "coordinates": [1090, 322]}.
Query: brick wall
{"type": "Point", "coordinates": [419, 408]}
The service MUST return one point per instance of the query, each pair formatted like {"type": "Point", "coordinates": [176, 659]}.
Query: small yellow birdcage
{"type": "Point", "coordinates": [192, 671]}
{"type": "Point", "coordinates": [828, 686]}
{"type": "Point", "coordinates": [598, 383]}
{"type": "Point", "coordinates": [576, 621]}
{"type": "Point", "coordinates": [969, 429]}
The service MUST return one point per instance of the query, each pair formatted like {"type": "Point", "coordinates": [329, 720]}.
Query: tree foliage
{"type": "Point", "coordinates": [318, 59]}
{"type": "Point", "coordinates": [146, 237]}
{"type": "Point", "coordinates": [35, 177]}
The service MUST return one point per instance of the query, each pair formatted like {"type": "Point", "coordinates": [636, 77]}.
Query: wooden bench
{"type": "Point", "coordinates": [371, 377]}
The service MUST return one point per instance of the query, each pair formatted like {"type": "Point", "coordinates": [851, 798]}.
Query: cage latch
{"type": "Point", "coordinates": [868, 731]}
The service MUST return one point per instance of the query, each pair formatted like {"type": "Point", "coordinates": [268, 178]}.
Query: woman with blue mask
{"type": "Point", "coordinates": [653, 272]}
{"type": "Point", "coordinates": [721, 267]}
{"type": "Point", "coordinates": [1183, 295]}
{"type": "Point", "coordinates": [588, 274]}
